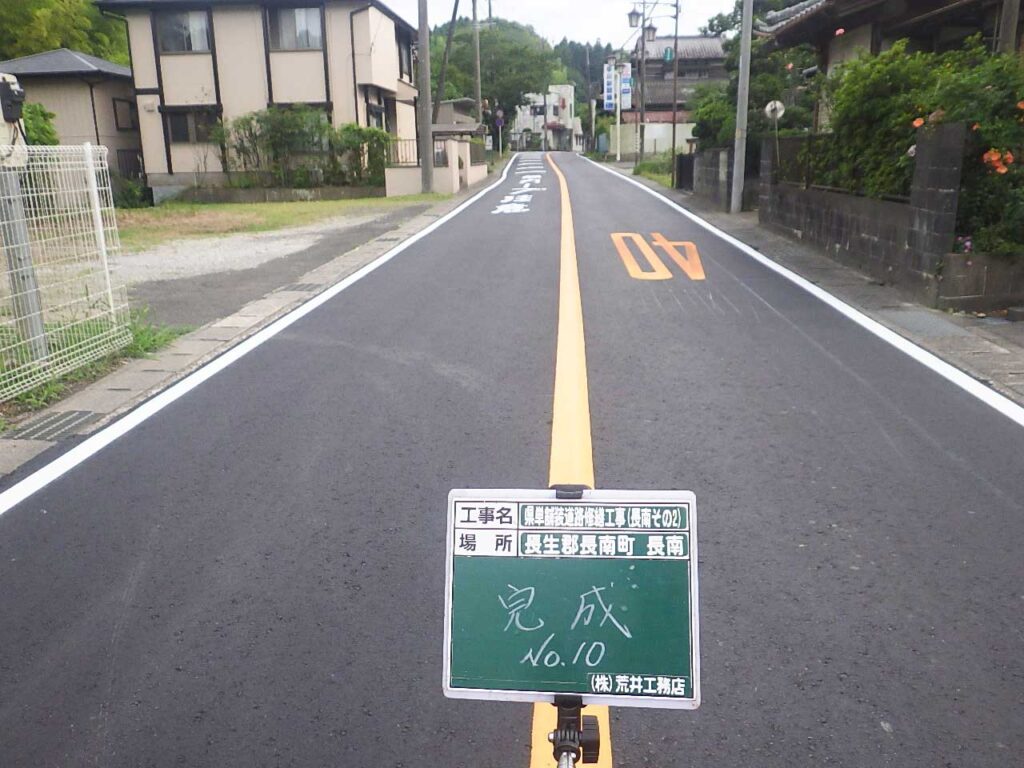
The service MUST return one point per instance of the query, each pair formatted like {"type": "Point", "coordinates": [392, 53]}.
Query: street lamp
{"type": "Point", "coordinates": [639, 19]}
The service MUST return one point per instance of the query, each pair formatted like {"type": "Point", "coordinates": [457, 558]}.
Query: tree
{"type": "Point", "coordinates": [34, 26]}
{"type": "Point", "coordinates": [514, 61]}
{"type": "Point", "coordinates": [775, 74]}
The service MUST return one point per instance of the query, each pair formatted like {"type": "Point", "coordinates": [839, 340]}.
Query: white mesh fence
{"type": "Point", "coordinates": [59, 305]}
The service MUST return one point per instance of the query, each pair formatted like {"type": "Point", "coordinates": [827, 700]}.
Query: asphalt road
{"type": "Point", "coordinates": [254, 576]}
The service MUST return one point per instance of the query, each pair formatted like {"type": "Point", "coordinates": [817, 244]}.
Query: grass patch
{"type": "Point", "coordinates": [665, 179]}
{"type": "Point", "coordinates": [142, 228]}
{"type": "Point", "coordinates": [656, 168]}
{"type": "Point", "coordinates": [147, 338]}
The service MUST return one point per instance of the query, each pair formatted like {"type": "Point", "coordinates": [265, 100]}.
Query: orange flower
{"type": "Point", "coordinates": [1008, 158]}
{"type": "Point", "coordinates": [1020, 104]}
{"type": "Point", "coordinates": [976, 126]}
{"type": "Point", "coordinates": [918, 122]}
{"type": "Point", "coordinates": [1001, 169]}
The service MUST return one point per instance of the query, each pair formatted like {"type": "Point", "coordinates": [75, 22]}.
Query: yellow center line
{"type": "Point", "coordinates": [572, 453]}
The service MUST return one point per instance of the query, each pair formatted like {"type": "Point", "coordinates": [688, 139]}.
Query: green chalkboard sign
{"type": "Point", "coordinates": [595, 597]}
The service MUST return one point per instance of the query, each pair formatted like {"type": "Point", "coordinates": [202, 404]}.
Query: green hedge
{"type": "Point", "coordinates": [878, 106]}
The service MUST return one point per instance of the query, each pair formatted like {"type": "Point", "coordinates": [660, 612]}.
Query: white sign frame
{"type": "Point", "coordinates": [597, 496]}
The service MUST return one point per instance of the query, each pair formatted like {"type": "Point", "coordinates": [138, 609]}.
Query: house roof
{"type": "Point", "coordinates": [689, 47]}
{"type": "Point", "coordinates": [63, 62]}
{"type": "Point", "coordinates": [776, 21]}
{"type": "Point", "coordinates": [121, 5]}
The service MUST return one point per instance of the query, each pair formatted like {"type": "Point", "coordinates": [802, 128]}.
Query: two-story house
{"type": "Point", "coordinates": [548, 121]}
{"type": "Point", "coordinates": [197, 62]}
{"type": "Point", "coordinates": [699, 59]}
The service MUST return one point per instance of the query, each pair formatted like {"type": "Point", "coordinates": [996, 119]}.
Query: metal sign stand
{"type": "Point", "coordinates": [576, 736]}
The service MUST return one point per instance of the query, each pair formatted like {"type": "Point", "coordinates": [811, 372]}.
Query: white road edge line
{"type": "Point", "coordinates": [951, 373]}
{"type": "Point", "coordinates": [97, 442]}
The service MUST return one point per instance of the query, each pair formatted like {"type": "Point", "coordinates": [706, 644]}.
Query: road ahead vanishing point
{"type": "Point", "coordinates": [249, 569]}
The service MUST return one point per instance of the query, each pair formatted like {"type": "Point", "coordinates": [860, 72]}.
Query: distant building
{"type": "Point", "coordinates": [92, 100]}
{"type": "Point", "coordinates": [700, 60]}
{"type": "Point", "coordinates": [197, 63]}
{"type": "Point", "coordinates": [548, 121]}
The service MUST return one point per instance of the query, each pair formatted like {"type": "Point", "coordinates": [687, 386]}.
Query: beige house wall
{"type": "Point", "coordinates": [405, 123]}
{"type": "Point", "coordinates": [848, 46]}
{"type": "Point", "coordinates": [339, 59]}
{"type": "Point", "coordinates": [376, 53]}
{"type": "Point", "coordinates": [188, 78]}
{"type": "Point", "coordinates": [241, 64]}
{"type": "Point", "coordinates": [69, 101]}
{"type": "Point", "coordinates": [298, 76]}
{"type": "Point", "coordinates": [140, 35]}
{"type": "Point", "coordinates": [110, 136]}
{"type": "Point", "coordinates": [152, 129]}
{"type": "Point", "coordinates": [195, 159]}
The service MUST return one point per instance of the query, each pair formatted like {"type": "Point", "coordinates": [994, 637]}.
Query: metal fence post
{"type": "Point", "coordinates": [97, 224]}
{"type": "Point", "coordinates": [28, 307]}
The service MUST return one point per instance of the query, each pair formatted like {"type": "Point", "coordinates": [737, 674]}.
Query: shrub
{"type": "Point", "coordinates": [130, 193]}
{"type": "Point", "coordinates": [879, 105]}
{"type": "Point", "coordinates": [297, 147]}
{"type": "Point", "coordinates": [39, 127]}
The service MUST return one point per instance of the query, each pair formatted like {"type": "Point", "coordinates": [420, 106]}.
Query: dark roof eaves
{"type": "Point", "coordinates": [114, 6]}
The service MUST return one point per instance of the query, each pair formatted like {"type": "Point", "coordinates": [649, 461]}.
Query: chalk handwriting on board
{"type": "Point", "coordinates": [517, 601]}
{"type": "Point", "coordinates": [587, 609]}
{"type": "Point", "coordinates": [592, 607]}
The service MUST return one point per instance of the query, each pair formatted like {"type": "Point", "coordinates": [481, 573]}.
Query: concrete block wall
{"type": "Point", "coordinates": [904, 244]}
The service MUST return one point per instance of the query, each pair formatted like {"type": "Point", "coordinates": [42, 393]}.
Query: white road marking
{"type": "Point", "coordinates": [951, 373]}
{"type": "Point", "coordinates": [97, 442]}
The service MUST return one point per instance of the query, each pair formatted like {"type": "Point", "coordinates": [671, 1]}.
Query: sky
{"type": "Point", "coordinates": [581, 20]}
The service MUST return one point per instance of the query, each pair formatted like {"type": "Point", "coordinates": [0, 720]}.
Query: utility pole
{"type": "Point", "coordinates": [739, 154]}
{"type": "Point", "coordinates": [643, 81]}
{"type": "Point", "coordinates": [426, 125]}
{"type": "Point", "coordinates": [1009, 18]}
{"type": "Point", "coordinates": [443, 77]}
{"type": "Point", "coordinates": [617, 80]}
{"type": "Point", "coordinates": [675, 94]}
{"type": "Point", "coordinates": [476, 57]}
{"type": "Point", "coordinates": [544, 127]}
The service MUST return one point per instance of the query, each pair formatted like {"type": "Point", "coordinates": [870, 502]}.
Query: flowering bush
{"type": "Point", "coordinates": [878, 106]}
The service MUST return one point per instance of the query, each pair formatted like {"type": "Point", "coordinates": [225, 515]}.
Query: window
{"type": "Point", "coordinates": [537, 110]}
{"type": "Point", "coordinates": [404, 58]}
{"type": "Point", "coordinates": [295, 29]}
{"type": "Point", "coordinates": [193, 127]}
{"type": "Point", "coordinates": [129, 163]}
{"type": "Point", "coordinates": [183, 32]}
{"type": "Point", "coordinates": [554, 111]}
{"type": "Point", "coordinates": [126, 115]}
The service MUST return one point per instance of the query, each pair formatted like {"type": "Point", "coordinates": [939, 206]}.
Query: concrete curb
{"type": "Point", "coordinates": [101, 402]}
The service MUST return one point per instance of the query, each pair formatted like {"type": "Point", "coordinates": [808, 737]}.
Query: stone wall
{"type": "Point", "coordinates": [712, 180]}
{"type": "Point", "coordinates": [907, 244]}
{"type": "Point", "coordinates": [712, 177]}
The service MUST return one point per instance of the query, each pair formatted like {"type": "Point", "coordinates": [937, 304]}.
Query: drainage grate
{"type": "Point", "coordinates": [54, 426]}
{"type": "Point", "coordinates": [302, 287]}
